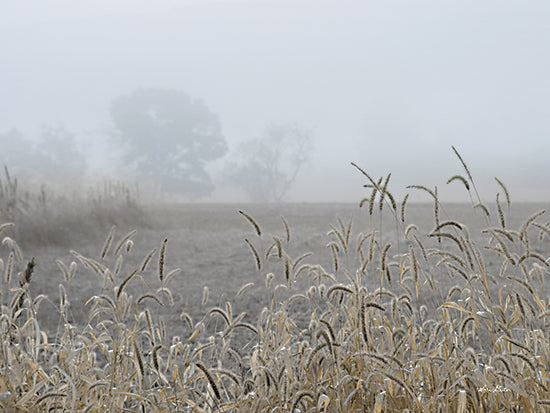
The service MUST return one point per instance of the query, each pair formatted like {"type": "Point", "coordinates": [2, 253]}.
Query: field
{"type": "Point", "coordinates": [207, 242]}
{"type": "Point", "coordinates": [281, 307]}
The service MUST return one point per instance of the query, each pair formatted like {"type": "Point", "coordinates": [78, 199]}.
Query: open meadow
{"type": "Point", "coordinates": [245, 206]}
{"type": "Point", "coordinates": [426, 307]}
{"type": "Point", "coordinates": [207, 243]}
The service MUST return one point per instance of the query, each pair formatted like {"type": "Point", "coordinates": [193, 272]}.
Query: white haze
{"type": "Point", "coordinates": [390, 85]}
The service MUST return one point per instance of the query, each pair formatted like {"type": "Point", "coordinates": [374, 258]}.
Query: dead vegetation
{"type": "Point", "coordinates": [372, 342]}
{"type": "Point", "coordinates": [43, 216]}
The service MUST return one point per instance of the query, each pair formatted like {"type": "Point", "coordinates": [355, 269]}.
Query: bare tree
{"type": "Point", "coordinates": [266, 167]}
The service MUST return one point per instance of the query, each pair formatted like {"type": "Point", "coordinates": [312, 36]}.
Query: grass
{"type": "Point", "coordinates": [45, 217]}
{"type": "Point", "coordinates": [377, 331]}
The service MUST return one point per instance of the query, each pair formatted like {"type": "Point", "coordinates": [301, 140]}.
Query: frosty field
{"type": "Point", "coordinates": [207, 242]}
{"type": "Point", "coordinates": [282, 307]}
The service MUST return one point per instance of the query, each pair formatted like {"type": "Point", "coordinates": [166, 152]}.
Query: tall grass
{"type": "Point", "coordinates": [378, 331]}
{"type": "Point", "coordinates": [43, 216]}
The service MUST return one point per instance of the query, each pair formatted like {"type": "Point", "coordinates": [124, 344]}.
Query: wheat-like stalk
{"type": "Point", "coordinates": [162, 256]}
{"type": "Point", "coordinates": [255, 253]}
{"type": "Point", "coordinates": [252, 222]}
{"type": "Point", "coordinates": [506, 193]}
{"type": "Point", "coordinates": [210, 379]}
{"type": "Point", "coordinates": [403, 204]}
{"type": "Point", "coordinates": [461, 179]}
{"type": "Point", "coordinates": [500, 213]}
{"type": "Point", "coordinates": [108, 242]}
{"type": "Point", "coordinates": [287, 229]}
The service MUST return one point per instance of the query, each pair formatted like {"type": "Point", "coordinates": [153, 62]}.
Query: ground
{"type": "Point", "coordinates": [207, 242]}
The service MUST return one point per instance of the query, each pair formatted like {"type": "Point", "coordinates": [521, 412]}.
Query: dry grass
{"type": "Point", "coordinates": [45, 217]}
{"type": "Point", "coordinates": [371, 341]}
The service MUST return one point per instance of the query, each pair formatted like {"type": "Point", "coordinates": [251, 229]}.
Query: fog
{"type": "Point", "coordinates": [390, 85]}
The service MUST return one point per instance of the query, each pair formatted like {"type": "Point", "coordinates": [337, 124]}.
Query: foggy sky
{"type": "Point", "coordinates": [390, 85]}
